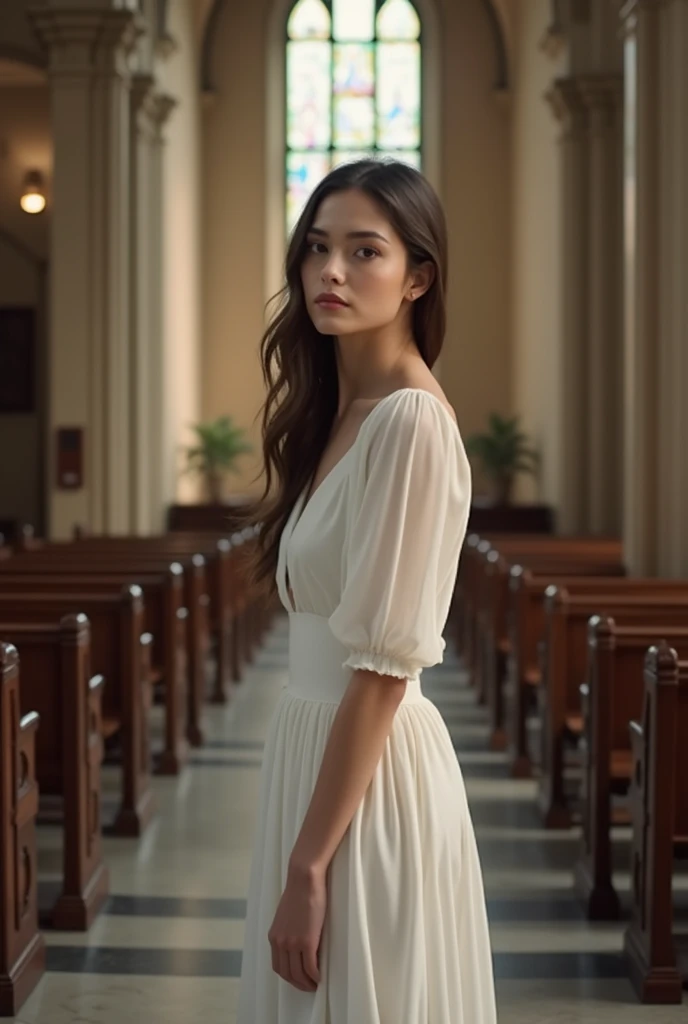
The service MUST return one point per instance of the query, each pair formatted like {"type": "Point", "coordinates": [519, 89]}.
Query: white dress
{"type": "Point", "coordinates": [371, 561]}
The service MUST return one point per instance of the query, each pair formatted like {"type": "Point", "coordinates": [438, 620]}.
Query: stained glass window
{"type": "Point", "coordinates": [353, 88]}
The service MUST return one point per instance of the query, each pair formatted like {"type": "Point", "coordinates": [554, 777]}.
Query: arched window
{"type": "Point", "coordinates": [353, 88]}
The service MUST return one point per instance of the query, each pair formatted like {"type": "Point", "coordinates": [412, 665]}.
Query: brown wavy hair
{"type": "Point", "coordinates": [298, 363]}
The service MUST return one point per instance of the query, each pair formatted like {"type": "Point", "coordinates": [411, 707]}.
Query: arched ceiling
{"type": "Point", "coordinates": [502, 18]}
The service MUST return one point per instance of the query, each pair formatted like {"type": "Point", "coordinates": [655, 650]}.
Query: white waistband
{"type": "Point", "coordinates": [316, 658]}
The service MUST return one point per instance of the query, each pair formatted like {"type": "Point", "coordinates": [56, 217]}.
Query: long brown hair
{"type": "Point", "coordinates": [298, 363]}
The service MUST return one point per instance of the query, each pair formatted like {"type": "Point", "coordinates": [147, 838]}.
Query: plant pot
{"type": "Point", "coordinates": [214, 483]}
{"type": "Point", "coordinates": [503, 488]}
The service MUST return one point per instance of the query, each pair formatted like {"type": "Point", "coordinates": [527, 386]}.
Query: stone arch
{"type": "Point", "coordinates": [497, 17]}
{"type": "Point", "coordinates": [494, 9]}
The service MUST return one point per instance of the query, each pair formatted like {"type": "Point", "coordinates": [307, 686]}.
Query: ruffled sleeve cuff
{"type": "Point", "coordinates": [383, 664]}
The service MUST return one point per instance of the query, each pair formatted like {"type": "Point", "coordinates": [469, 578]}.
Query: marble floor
{"type": "Point", "coordinates": [167, 948]}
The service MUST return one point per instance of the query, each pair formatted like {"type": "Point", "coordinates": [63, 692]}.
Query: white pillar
{"type": "Point", "coordinates": [569, 109]}
{"type": "Point", "coordinates": [89, 308]}
{"type": "Point", "coordinates": [656, 317]}
{"type": "Point", "coordinates": [672, 395]}
{"type": "Point", "coordinates": [142, 277]}
{"type": "Point", "coordinates": [163, 107]}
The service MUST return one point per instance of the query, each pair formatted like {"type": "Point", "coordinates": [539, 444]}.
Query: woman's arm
{"type": "Point", "coordinates": [355, 745]}
{"type": "Point", "coordinates": [357, 740]}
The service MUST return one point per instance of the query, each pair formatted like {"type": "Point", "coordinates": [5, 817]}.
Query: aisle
{"type": "Point", "coordinates": [167, 948]}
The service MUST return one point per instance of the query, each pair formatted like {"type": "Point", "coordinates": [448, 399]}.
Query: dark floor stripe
{"type": "Point", "coordinates": [506, 911]}
{"type": "Point", "coordinates": [178, 963]}
{"type": "Point", "coordinates": [224, 762]}
{"type": "Point", "coordinates": [469, 771]}
{"type": "Point", "coordinates": [256, 745]}
{"type": "Point", "coordinates": [211, 963]}
{"type": "Point", "coordinates": [544, 908]}
{"type": "Point", "coordinates": [470, 744]}
{"type": "Point", "coordinates": [176, 906]}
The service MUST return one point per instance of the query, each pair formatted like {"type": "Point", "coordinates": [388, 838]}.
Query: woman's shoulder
{"type": "Point", "coordinates": [412, 408]}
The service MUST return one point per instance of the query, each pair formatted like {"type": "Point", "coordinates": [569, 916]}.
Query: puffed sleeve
{"type": "Point", "coordinates": [408, 513]}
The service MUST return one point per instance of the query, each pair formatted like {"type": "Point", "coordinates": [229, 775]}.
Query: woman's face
{"type": "Point", "coordinates": [355, 272]}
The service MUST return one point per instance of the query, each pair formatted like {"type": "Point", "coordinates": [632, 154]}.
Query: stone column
{"type": "Point", "coordinates": [569, 109]}
{"type": "Point", "coordinates": [89, 315]}
{"type": "Point", "coordinates": [163, 106]}
{"type": "Point", "coordinates": [142, 278]}
{"type": "Point", "coordinates": [642, 274]}
{"type": "Point", "coordinates": [601, 95]}
{"type": "Point", "coordinates": [672, 350]}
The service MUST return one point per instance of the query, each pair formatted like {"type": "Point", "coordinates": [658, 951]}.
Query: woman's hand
{"type": "Point", "coordinates": [297, 928]}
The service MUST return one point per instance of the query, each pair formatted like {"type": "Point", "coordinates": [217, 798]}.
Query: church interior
{"type": "Point", "coordinates": [154, 156]}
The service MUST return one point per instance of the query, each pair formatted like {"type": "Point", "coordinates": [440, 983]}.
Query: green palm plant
{"type": "Point", "coordinates": [503, 452]}
{"type": "Point", "coordinates": [219, 445]}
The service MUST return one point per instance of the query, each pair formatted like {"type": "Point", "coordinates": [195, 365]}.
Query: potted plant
{"type": "Point", "coordinates": [503, 452]}
{"type": "Point", "coordinates": [219, 444]}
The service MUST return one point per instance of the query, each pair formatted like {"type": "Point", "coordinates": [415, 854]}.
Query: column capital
{"type": "Point", "coordinates": [80, 41]}
{"type": "Point", "coordinates": [143, 105]}
{"type": "Point", "coordinates": [162, 106]}
{"type": "Point", "coordinates": [565, 100]}
{"type": "Point", "coordinates": [142, 87]}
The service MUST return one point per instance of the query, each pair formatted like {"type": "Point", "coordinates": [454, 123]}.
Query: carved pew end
{"type": "Point", "coordinates": [661, 986]}
{"type": "Point", "coordinates": [22, 947]}
{"type": "Point", "coordinates": [74, 913]}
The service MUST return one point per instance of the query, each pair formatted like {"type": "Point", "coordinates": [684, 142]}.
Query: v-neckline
{"type": "Point", "coordinates": [304, 501]}
{"type": "Point", "coordinates": [307, 499]}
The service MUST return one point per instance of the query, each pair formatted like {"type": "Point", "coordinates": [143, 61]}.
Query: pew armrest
{"type": "Point", "coordinates": [28, 725]}
{"type": "Point", "coordinates": [28, 785]}
{"type": "Point", "coordinates": [637, 736]}
{"type": "Point", "coordinates": [95, 683]}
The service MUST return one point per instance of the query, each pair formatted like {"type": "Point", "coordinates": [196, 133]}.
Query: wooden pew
{"type": "Point", "coordinates": [487, 636]}
{"type": "Point", "coordinates": [463, 610]}
{"type": "Point", "coordinates": [120, 649]}
{"type": "Point", "coordinates": [220, 585]}
{"type": "Point", "coordinates": [56, 682]}
{"type": "Point", "coordinates": [648, 602]}
{"type": "Point", "coordinates": [659, 809]}
{"type": "Point", "coordinates": [154, 573]}
{"type": "Point", "coordinates": [22, 948]}
{"type": "Point", "coordinates": [611, 698]}
{"type": "Point", "coordinates": [165, 615]}
{"type": "Point", "coordinates": [589, 559]}
{"type": "Point", "coordinates": [239, 616]}
{"type": "Point", "coordinates": [526, 625]}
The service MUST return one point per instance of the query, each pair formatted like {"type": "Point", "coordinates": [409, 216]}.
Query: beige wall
{"type": "Point", "coordinates": [24, 145]}
{"type": "Point", "coordinates": [536, 280]}
{"type": "Point", "coordinates": [179, 77]}
{"type": "Point", "coordinates": [473, 168]}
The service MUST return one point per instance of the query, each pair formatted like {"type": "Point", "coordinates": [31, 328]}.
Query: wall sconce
{"type": "Point", "coordinates": [33, 193]}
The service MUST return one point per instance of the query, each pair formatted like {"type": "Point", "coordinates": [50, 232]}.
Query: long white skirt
{"type": "Point", "coordinates": [406, 938]}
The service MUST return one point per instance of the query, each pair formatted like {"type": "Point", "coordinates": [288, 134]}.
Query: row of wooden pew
{"type": "Point", "coordinates": [92, 633]}
{"type": "Point", "coordinates": [584, 670]}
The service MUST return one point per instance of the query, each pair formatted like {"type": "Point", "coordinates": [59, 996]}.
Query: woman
{"type": "Point", "coordinates": [366, 903]}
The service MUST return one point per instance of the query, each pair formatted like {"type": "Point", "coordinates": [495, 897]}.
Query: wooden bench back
{"type": "Point", "coordinates": [681, 764]}
{"type": "Point", "coordinates": [56, 677]}
{"type": "Point", "coordinates": [116, 626]}
{"type": "Point", "coordinates": [635, 602]}
{"type": "Point", "coordinates": [22, 952]}
{"type": "Point", "coordinates": [659, 809]}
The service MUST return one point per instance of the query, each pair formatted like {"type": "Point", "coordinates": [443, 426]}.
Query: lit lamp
{"type": "Point", "coordinates": [33, 195]}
